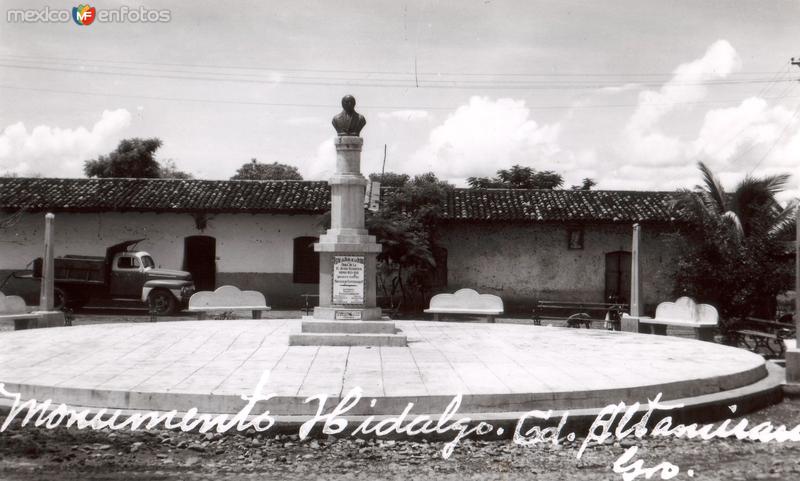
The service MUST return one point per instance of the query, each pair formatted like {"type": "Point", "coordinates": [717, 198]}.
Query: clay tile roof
{"type": "Point", "coordinates": [559, 205]}
{"type": "Point", "coordinates": [164, 195]}
{"type": "Point", "coordinates": [313, 197]}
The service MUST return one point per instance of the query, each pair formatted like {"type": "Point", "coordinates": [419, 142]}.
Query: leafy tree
{"type": "Point", "coordinates": [735, 256]}
{"type": "Point", "coordinates": [390, 179]}
{"type": "Point", "coordinates": [406, 226]}
{"type": "Point", "coordinates": [586, 184]}
{"type": "Point", "coordinates": [132, 158]}
{"type": "Point", "coordinates": [486, 183]}
{"type": "Point", "coordinates": [168, 170]}
{"type": "Point", "coordinates": [518, 177]}
{"type": "Point", "coordinates": [255, 170]}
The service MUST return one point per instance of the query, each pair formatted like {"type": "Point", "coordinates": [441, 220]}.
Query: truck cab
{"type": "Point", "coordinates": [129, 273]}
{"type": "Point", "coordinates": [134, 275]}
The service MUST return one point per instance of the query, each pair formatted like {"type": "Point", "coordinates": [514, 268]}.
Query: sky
{"type": "Point", "coordinates": [629, 93]}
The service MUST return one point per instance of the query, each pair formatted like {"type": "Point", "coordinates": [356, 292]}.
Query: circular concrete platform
{"type": "Point", "coordinates": [497, 368]}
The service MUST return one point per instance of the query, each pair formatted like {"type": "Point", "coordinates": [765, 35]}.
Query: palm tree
{"type": "Point", "coordinates": [734, 254]}
{"type": "Point", "coordinates": [750, 210]}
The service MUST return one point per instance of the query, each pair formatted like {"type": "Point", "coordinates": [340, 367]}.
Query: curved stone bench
{"type": "Point", "coordinates": [466, 302]}
{"type": "Point", "coordinates": [13, 308]}
{"type": "Point", "coordinates": [684, 312]}
{"type": "Point", "coordinates": [226, 299]}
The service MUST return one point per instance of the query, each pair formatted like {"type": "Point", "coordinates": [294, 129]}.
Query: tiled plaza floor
{"type": "Point", "coordinates": [210, 363]}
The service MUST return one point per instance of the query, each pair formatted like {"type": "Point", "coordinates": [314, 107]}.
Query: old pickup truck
{"type": "Point", "coordinates": [120, 275]}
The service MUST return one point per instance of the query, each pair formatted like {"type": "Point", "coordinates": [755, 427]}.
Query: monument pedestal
{"type": "Point", "coordinates": [347, 314]}
{"type": "Point", "coordinates": [792, 386]}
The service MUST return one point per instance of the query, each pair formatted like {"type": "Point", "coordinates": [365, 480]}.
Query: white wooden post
{"type": "Point", "coordinates": [47, 316]}
{"type": "Point", "coordinates": [48, 272]}
{"type": "Point", "coordinates": [635, 283]}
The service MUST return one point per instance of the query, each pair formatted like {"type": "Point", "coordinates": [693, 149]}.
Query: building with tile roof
{"type": "Point", "coordinates": [313, 197]}
{"type": "Point", "coordinates": [520, 244]}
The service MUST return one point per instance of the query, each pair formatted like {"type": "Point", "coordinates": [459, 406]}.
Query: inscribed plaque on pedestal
{"type": "Point", "coordinates": [348, 280]}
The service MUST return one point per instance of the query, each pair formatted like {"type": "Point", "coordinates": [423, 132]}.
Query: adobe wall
{"type": "Point", "coordinates": [525, 262]}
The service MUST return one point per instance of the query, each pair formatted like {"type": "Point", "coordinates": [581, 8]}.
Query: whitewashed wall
{"type": "Point", "coordinates": [520, 262]}
{"type": "Point", "coordinates": [245, 243]}
{"type": "Point", "coordinates": [253, 251]}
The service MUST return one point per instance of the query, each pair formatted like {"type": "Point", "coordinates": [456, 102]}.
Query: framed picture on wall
{"type": "Point", "coordinates": [575, 238]}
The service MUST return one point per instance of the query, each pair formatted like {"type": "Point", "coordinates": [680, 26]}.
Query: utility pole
{"type": "Point", "coordinates": [793, 355]}
{"type": "Point", "coordinates": [383, 168]}
{"type": "Point", "coordinates": [797, 261]}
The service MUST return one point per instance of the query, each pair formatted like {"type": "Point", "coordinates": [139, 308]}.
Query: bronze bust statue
{"type": "Point", "coordinates": [348, 121]}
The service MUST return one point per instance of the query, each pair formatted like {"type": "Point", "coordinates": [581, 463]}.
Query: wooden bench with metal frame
{"type": "Point", "coordinates": [611, 312]}
{"type": "Point", "coordinates": [760, 335]}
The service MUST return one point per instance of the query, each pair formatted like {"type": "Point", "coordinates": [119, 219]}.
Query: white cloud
{"type": "Point", "coordinates": [407, 115]}
{"type": "Point", "coordinates": [56, 152]}
{"type": "Point", "coordinates": [323, 164]}
{"type": "Point", "coordinates": [728, 133]}
{"type": "Point", "coordinates": [643, 150]}
{"type": "Point", "coordinates": [483, 136]}
{"type": "Point", "coordinates": [642, 140]}
{"type": "Point", "coordinates": [649, 158]}
{"type": "Point", "coordinates": [638, 150]}
{"type": "Point", "coordinates": [686, 85]}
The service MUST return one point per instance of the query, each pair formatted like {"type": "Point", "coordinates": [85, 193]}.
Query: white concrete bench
{"type": "Point", "coordinates": [468, 302]}
{"type": "Point", "coordinates": [228, 299]}
{"type": "Point", "coordinates": [685, 312]}
{"type": "Point", "coordinates": [13, 309]}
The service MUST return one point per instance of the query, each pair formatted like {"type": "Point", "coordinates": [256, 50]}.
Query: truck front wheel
{"type": "Point", "coordinates": [162, 302]}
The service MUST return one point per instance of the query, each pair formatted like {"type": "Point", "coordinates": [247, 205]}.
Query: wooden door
{"type": "Point", "coordinates": [618, 276]}
{"type": "Point", "coordinates": [200, 259]}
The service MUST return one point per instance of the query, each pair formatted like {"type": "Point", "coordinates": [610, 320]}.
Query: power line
{"type": "Point", "coordinates": [778, 139]}
{"type": "Point", "coordinates": [781, 74]}
{"type": "Point", "coordinates": [761, 92]}
{"type": "Point", "coordinates": [434, 84]}
{"type": "Point", "coordinates": [412, 76]}
{"type": "Point", "coordinates": [270, 77]}
{"type": "Point", "coordinates": [73, 60]}
{"type": "Point", "coordinates": [785, 128]}
{"type": "Point", "coordinates": [365, 107]}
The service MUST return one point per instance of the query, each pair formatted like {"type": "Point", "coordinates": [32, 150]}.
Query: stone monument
{"type": "Point", "coordinates": [347, 314]}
